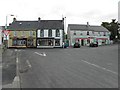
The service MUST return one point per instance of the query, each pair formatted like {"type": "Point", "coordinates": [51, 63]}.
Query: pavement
{"type": "Point", "coordinates": [83, 67]}
{"type": "Point", "coordinates": [9, 79]}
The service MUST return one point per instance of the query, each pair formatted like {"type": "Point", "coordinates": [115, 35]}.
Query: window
{"type": "Point", "coordinates": [30, 42]}
{"type": "Point", "coordinates": [57, 42]}
{"type": "Point", "coordinates": [42, 33]}
{"type": "Point", "coordinates": [15, 33]}
{"type": "Point", "coordinates": [23, 33]}
{"type": "Point", "coordinates": [74, 33]}
{"type": "Point", "coordinates": [81, 34]}
{"type": "Point", "coordinates": [87, 32]}
{"type": "Point", "coordinates": [49, 33]}
{"type": "Point", "coordinates": [57, 33]}
{"type": "Point", "coordinates": [93, 32]}
{"type": "Point", "coordinates": [104, 34]}
{"type": "Point", "coordinates": [99, 34]}
{"type": "Point", "coordinates": [45, 42]}
{"type": "Point", "coordinates": [31, 33]}
{"type": "Point", "coordinates": [14, 42]}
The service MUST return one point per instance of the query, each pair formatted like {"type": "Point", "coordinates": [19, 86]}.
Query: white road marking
{"type": "Point", "coordinates": [100, 67]}
{"type": "Point", "coordinates": [17, 60]}
{"type": "Point", "coordinates": [41, 54]}
{"type": "Point", "coordinates": [27, 61]}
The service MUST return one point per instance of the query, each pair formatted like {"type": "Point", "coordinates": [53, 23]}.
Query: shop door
{"type": "Point", "coordinates": [82, 42]}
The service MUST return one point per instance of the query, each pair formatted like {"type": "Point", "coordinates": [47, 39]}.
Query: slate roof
{"type": "Point", "coordinates": [34, 25]}
{"type": "Point", "coordinates": [51, 24]}
{"type": "Point", "coordinates": [85, 27]}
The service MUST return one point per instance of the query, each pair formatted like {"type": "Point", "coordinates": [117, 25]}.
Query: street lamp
{"type": "Point", "coordinates": [7, 19]}
{"type": "Point", "coordinates": [6, 26]}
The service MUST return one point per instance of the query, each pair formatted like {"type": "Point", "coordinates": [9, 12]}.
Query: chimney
{"type": "Point", "coordinates": [10, 24]}
{"type": "Point", "coordinates": [87, 23]}
{"type": "Point", "coordinates": [39, 19]}
{"type": "Point", "coordinates": [14, 19]}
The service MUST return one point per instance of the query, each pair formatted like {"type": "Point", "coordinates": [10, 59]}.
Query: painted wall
{"type": "Point", "coordinates": [20, 34]}
{"type": "Point", "coordinates": [91, 34]}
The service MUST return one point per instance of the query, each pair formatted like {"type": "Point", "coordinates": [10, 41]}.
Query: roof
{"type": "Point", "coordinates": [51, 24]}
{"type": "Point", "coordinates": [86, 27]}
{"type": "Point", "coordinates": [42, 24]}
{"type": "Point", "coordinates": [24, 25]}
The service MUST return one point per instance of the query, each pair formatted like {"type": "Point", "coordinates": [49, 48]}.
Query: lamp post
{"type": "Point", "coordinates": [6, 28]}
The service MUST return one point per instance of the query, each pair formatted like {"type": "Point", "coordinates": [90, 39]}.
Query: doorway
{"type": "Point", "coordinates": [82, 42]}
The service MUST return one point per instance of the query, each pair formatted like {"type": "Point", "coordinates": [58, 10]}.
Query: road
{"type": "Point", "coordinates": [69, 68]}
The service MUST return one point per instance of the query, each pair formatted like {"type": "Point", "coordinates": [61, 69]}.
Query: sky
{"type": "Point", "coordinates": [119, 12]}
{"type": "Point", "coordinates": [76, 11]}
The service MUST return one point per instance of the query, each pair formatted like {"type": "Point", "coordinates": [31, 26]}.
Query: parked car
{"type": "Point", "coordinates": [93, 44]}
{"type": "Point", "coordinates": [76, 45]}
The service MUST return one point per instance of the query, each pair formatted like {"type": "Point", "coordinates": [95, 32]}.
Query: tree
{"type": "Point", "coordinates": [112, 27]}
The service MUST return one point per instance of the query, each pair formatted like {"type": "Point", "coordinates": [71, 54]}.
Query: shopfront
{"type": "Point", "coordinates": [45, 42]}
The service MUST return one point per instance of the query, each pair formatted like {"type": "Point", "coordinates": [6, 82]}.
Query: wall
{"type": "Point", "coordinates": [19, 35]}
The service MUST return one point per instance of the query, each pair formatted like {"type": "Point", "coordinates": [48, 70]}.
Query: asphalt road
{"type": "Point", "coordinates": [69, 68]}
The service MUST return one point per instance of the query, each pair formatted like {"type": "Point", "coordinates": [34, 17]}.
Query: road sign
{"type": "Point", "coordinates": [6, 32]}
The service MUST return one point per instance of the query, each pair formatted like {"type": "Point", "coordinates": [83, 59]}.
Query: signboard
{"type": "Point", "coordinates": [6, 32]}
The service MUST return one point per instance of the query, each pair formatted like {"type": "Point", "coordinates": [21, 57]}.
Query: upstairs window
{"type": "Point", "coordinates": [57, 33]}
{"type": "Point", "coordinates": [50, 33]}
{"type": "Point", "coordinates": [15, 33]}
{"type": "Point", "coordinates": [23, 33]}
{"type": "Point", "coordinates": [74, 33]}
{"type": "Point", "coordinates": [87, 32]}
{"type": "Point", "coordinates": [93, 32]}
{"type": "Point", "coordinates": [81, 33]}
{"type": "Point", "coordinates": [31, 33]}
{"type": "Point", "coordinates": [41, 33]}
{"type": "Point", "coordinates": [104, 34]}
{"type": "Point", "coordinates": [99, 34]}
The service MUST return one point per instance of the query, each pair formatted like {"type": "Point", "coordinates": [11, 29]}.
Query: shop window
{"type": "Point", "coordinates": [45, 42]}
{"type": "Point", "coordinates": [57, 42]}
{"type": "Point", "coordinates": [88, 41]}
{"type": "Point", "coordinates": [14, 43]}
{"type": "Point", "coordinates": [30, 42]}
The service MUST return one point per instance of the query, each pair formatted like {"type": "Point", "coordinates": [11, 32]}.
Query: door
{"type": "Point", "coordinates": [82, 42]}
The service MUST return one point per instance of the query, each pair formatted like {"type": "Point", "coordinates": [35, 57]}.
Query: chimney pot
{"type": "Point", "coordinates": [14, 19]}
{"type": "Point", "coordinates": [39, 18]}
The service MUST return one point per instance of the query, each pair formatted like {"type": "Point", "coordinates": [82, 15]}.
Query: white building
{"type": "Point", "coordinates": [50, 33]}
{"type": "Point", "coordinates": [86, 34]}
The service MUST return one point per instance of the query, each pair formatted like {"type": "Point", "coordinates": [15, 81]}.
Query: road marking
{"type": "Point", "coordinates": [100, 67]}
{"type": "Point", "coordinates": [17, 60]}
{"type": "Point", "coordinates": [15, 50]}
{"type": "Point", "coordinates": [27, 61]}
{"type": "Point", "coordinates": [41, 54]}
